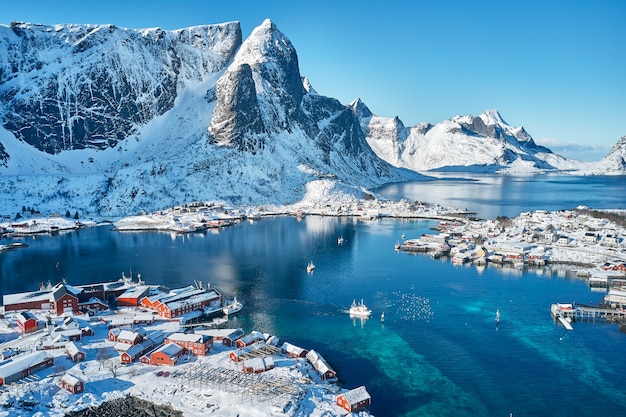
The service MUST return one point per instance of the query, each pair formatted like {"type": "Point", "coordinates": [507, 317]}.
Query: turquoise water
{"type": "Point", "coordinates": [438, 352]}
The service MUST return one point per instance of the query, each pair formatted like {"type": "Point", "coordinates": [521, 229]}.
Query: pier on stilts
{"type": "Point", "coordinates": [569, 313]}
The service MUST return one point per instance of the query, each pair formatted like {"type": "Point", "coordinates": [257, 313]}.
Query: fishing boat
{"type": "Point", "coordinates": [233, 307]}
{"type": "Point", "coordinates": [359, 309]}
{"type": "Point", "coordinates": [310, 267]}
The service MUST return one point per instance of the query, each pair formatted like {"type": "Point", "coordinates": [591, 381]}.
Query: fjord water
{"type": "Point", "coordinates": [438, 352]}
{"type": "Point", "coordinates": [493, 195]}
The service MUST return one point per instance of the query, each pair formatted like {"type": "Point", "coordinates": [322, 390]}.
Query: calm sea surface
{"type": "Point", "coordinates": [438, 353]}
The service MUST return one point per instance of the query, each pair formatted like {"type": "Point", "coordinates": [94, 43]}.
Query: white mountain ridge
{"type": "Point", "coordinates": [209, 118]}
{"type": "Point", "coordinates": [463, 143]}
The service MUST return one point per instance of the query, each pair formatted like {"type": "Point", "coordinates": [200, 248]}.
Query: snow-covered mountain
{"type": "Point", "coordinates": [612, 164]}
{"type": "Point", "coordinates": [112, 121]}
{"type": "Point", "coordinates": [485, 143]}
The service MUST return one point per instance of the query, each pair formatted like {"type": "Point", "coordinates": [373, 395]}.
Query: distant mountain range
{"type": "Point", "coordinates": [111, 121]}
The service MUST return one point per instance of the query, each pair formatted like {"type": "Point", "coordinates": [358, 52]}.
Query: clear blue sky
{"type": "Point", "coordinates": [558, 68]}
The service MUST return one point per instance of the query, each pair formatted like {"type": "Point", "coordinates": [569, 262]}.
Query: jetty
{"type": "Point", "coordinates": [569, 313]}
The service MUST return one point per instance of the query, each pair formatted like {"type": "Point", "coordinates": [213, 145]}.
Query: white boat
{"type": "Point", "coordinates": [233, 307]}
{"type": "Point", "coordinates": [310, 267]}
{"type": "Point", "coordinates": [340, 240]}
{"type": "Point", "coordinates": [382, 316]}
{"type": "Point", "coordinates": [360, 309]}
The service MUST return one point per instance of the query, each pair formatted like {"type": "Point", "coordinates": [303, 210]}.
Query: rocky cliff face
{"type": "Point", "coordinates": [153, 118]}
{"type": "Point", "coordinates": [68, 87]}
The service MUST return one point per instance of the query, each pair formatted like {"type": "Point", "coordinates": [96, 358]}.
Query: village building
{"type": "Point", "coordinates": [293, 350]}
{"type": "Point", "coordinates": [151, 342]}
{"type": "Point", "coordinates": [231, 339]}
{"type": "Point", "coordinates": [75, 353]}
{"type": "Point", "coordinates": [130, 337]}
{"type": "Point", "coordinates": [258, 365]}
{"type": "Point", "coordinates": [63, 300]}
{"type": "Point", "coordinates": [325, 372]}
{"type": "Point", "coordinates": [72, 384]}
{"type": "Point", "coordinates": [167, 354]}
{"type": "Point", "coordinates": [180, 302]}
{"type": "Point", "coordinates": [590, 237]}
{"type": "Point", "coordinates": [91, 306]}
{"type": "Point", "coordinates": [249, 339]}
{"type": "Point", "coordinates": [27, 322]}
{"type": "Point", "coordinates": [225, 336]}
{"type": "Point", "coordinates": [21, 366]}
{"type": "Point", "coordinates": [197, 344]}
{"type": "Point", "coordinates": [132, 296]}
{"type": "Point", "coordinates": [354, 400]}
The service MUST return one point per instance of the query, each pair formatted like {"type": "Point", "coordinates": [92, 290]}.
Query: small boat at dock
{"type": "Point", "coordinates": [233, 306]}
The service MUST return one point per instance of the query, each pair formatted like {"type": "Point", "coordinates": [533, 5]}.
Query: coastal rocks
{"type": "Point", "coordinates": [128, 406]}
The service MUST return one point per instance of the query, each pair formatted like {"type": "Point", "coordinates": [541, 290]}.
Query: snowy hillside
{"type": "Point", "coordinates": [212, 119]}
{"type": "Point", "coordinates": [612, 164]}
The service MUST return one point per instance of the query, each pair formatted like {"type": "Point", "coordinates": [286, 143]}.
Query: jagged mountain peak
{"type": "Point", "coordinates": [492, 117]}
{"type": "Point", "coordinates": [360, 109]}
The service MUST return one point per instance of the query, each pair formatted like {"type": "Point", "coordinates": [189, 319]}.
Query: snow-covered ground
{"type": "Point", "coordinates": [296, 388]}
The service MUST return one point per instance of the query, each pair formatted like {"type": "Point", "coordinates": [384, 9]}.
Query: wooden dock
{"type": "Point", "coordinates": [569, 313]}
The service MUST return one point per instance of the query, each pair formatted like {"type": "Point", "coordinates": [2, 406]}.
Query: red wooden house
{"type": "Point", "coordinates": [249, 339]}
{"type": "Point", "coordinates": [75, 353]}
{"type": "Point", "coordinates": [354, 400]}
{"type": "Point", "coordinates": [27, 322]}
{"type": "Point", "coordinates": [167, 354]}
{"type": "Point", "coordinates": [198, 344]}
{"type": "Point", "coordinates": [63, 300]}
{"type": "Point", "coordinates": [293, 350]}
{"type": "Point", "coordinates": [22, 366]}
{"type": "Point", "coordinates": [258, 365]}
{"type": "Point", "coordinates": [72, 384]}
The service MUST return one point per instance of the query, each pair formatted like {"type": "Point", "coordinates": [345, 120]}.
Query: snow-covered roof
{"type": "Point", "coordinates": [135, 292]}
{"type": "Point", "coordinates": [72, 348]}
{"type": "Point", "coordinates": [71, 379]}
{"type": "Point", "coordinates": [318, 362]}
{"type": "Point", "coordinates": [170, 349]}
{"type": "Point", "coordinates": [183, 299]}
{"type": "Point", "coordinates": [128, 335]}
{"type": "Point", "coordinates": [218, 333]}
{"type": "Point", "coordinates": [187, 337]}
{"type": "Point", "coordinates": [357, 395]}
{"type": "Point", "coordinates": [21, 362]}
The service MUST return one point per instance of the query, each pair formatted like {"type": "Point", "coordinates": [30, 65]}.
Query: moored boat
{"type": "Point", "coordinates": [233, 307]}
{"type": "Point", "coordinates": [359, 309]}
